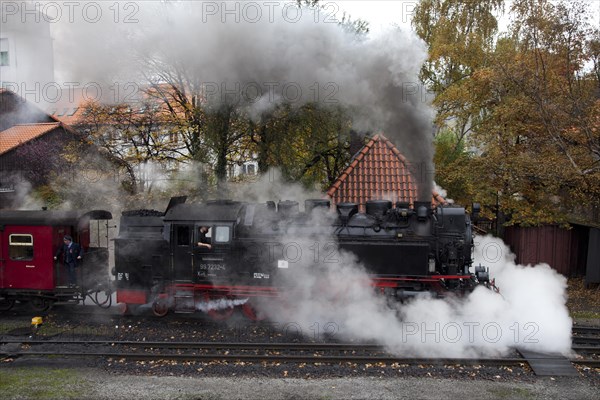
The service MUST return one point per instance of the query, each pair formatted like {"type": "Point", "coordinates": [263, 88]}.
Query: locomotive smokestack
{"type": "Point", "coordinates": [423, 209]}
{"type": "Point", "coordinates": [346, 211]}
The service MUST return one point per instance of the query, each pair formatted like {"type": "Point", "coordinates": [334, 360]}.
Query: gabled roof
{"type": "Point", "coordinates": [19, 134]}
{"type": "Point", "coordinates": [377, 171]}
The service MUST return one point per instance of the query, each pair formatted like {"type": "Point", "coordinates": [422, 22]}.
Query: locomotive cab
{"type": "Point", "coordinates": [211, 262]}
{"type": "Point", "coordinates": [192, 260]}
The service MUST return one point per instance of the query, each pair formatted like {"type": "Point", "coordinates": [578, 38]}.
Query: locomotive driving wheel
{"type": "Point", "coordinates": [252, 312]}
{"type": "Point", "coordinates": [6, 304]}
{"type": "Point", "coordinates": [160, 307]}
{"type": "Point", "coordinates": [40, 303]}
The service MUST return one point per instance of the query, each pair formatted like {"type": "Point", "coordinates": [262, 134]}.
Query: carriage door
{"type": "Point", "coordinates": [183, 254]}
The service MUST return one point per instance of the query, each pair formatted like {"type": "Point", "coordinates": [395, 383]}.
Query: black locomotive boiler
{"type": "Point", "coordinates": [161, 259]}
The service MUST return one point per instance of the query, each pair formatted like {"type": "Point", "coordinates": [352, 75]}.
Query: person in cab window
{"type": "Point", "coordinates": [203, 240]}
{"type": "Point", "coordinates": [72, 253]}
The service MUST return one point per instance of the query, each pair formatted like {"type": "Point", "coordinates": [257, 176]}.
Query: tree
{"type": "Point", "coordinates": [459, 35]}
{"type": "Point", "coordinates": [545, 101]}
{"type": "Point", "coordinates": [309, 143]}
{"type": "Point", "coordinates": [131, 137]}
{"type": "Point", "coordinates": [525, 102]}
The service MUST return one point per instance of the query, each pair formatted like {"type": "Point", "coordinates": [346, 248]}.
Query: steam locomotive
{"type": "Point", "coordinates": [162, 260]}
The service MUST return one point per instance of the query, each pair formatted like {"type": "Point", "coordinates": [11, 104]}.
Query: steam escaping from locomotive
{"type": "Point", "coordinates": [335, 299]}
{"type": "Point", "coordinates": [289, 55]}
{"type": "Point", "coordinates": [400, 277]}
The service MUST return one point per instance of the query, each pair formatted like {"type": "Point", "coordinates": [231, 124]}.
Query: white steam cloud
{"type": "Point", "coordinates": [529, 312]}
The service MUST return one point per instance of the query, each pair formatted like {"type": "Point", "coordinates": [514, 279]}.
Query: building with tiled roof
{"type": "Point", "coordinates": [31, 144]}
{"type": "Point", "coordinates": [29, 153]}
{"type": "Point", "coordinates": [155, 106]}
{"type": "Point", "coordinates": [377, 171]}
{"type": "Point", "coordinates": [19, 134]}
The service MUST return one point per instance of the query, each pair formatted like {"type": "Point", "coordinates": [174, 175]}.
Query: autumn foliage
{"type": "Point", "coordinates": [517, 110]}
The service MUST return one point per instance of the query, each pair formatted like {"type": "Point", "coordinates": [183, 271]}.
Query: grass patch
{"type": "Point", "coordinates": [585, 314]}
{"type": "Point", "coordinates": [582, 301]}
{"type": "Point", "coordinates": [7, 326]}
{"type": "Point", "coordinates": [41, 383]}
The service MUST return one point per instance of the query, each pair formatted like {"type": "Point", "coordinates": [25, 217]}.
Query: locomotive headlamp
{"type": "Point", "coordinates": [482, 274]}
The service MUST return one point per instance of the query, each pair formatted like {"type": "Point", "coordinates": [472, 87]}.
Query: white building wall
{"type": "Point", "coordinates": [28, 42]}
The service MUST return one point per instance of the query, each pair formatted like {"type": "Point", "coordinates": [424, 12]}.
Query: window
{"type": "Point", "coordinates": [183, 235]}
{"type": "Point", "coordinates": [4, 60]}
{"type": "Point", "coordinates": [222, 234]}
{"type": "Point", "coordinates": [20, 247]}
{"type": "Point", "coordinates": [249, 169]}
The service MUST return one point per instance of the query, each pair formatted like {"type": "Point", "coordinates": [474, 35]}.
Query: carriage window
{"type": "Point", "coordinates": [183, 236]}
{"type": "Point", "coordinates": [222, 234]}
{"type": "Point", "coordinates": [20, 247]}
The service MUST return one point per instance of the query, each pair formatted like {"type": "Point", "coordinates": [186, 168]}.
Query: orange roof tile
{"type": "Point", "coordinates": [377, 171]}
{"type": "Point", "coordinates": [19, 134]}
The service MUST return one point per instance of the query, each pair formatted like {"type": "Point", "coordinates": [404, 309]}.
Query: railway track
{"type": "Point", "coordinates": [586, 330]}
{"type": "Point", "coordinates": [586, 343]}
{"type": "Point", "coordinates": [586, 339]}
{"type": "Point", "coordinates": [247, 352]}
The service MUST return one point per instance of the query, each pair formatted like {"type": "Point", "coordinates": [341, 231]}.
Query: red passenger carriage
{"type": "Point", "coordinates": [28, 273]}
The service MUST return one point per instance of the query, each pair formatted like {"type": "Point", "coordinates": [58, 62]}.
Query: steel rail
{"type": "Point", "coordinates": [586, 349]}
{"type": "Point", "coordinates": [586, 339]}
{"type": "Point", "coordinates": [586, 329]}
{"type": "Point", "coordinates": [296, 358]}
{"type": "Point", "coordinates": [272, 358]}
{"type": "Point", "coordinates": [234, 345]}
{"type": "Point", "coordinates": [346, 347]}
{"type": "Point", "coordinates": [208, 345]}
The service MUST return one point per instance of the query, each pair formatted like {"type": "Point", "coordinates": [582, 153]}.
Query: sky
{"type": "Point", "coordinates": [382, 13]}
